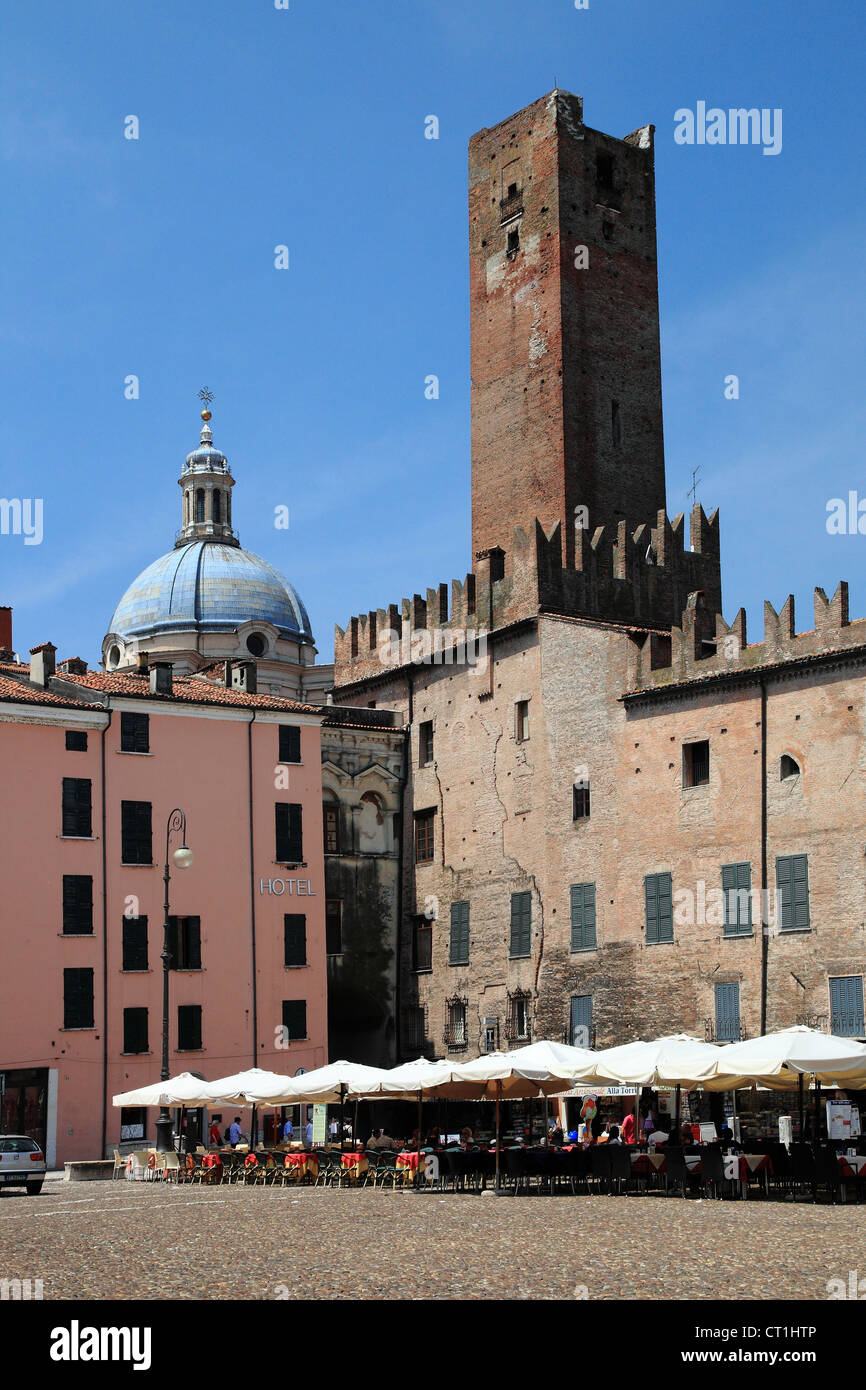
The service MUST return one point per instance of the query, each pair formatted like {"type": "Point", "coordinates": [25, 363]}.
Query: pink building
{"type": "Point", "coordinates": [93, 764]}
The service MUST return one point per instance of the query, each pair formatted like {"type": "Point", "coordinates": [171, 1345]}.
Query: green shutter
{"type": "Point", "coordinates": [582, 916]}
{"type": "Point", "coordinates": [846, 1006]}
{"type": "Point", "coordinates": [737, 878]}
{"type": "Point", "coordinates": [521, 924]}
{"type": "Point", "coordinates": [792, 891]}
{"type": "Point", "coordinates": [728, 1012]}
{"type": "Point", "coordinates": [659, 908]}
{"type": "Point", "coordinates": [459, 948]}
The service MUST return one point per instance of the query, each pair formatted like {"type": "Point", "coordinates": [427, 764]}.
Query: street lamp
{"type": "Point", "coordinates": [183, 858]}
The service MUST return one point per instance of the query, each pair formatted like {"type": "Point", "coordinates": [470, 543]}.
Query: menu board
{"type": "Point", "coordinates": [843, 1120]}
{"type": "Point", "coordinates": [320, 1117]}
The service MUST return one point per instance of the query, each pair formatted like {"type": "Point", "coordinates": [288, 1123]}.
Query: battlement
{"type": "Point", "coordinates": [640, 576]}
{"type": "Point", "coordinates": [704, 645]}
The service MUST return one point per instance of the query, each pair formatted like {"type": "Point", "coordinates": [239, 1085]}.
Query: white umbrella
{"type": "Point", "coordinates": [676, 1060]}
{"type": "Point", "coordinates": [244, 1087]}
{"type": "Point", "coordinates": [184, 1089]}
{"type": "Point", "coordinates": [558, 1059]}
{"type": "Point", "coordinates": [324, 1086]}
{"type": "Point", "coordinates": [499, 1074]}
{"type": "Point", "coordinates": [778, 1060]}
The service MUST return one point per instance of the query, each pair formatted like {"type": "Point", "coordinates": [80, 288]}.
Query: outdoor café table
{"type": "Point", "coordinates": [852, 1165]}
{"type": "Point", "coordinates": [355, 1164]}
{"type": "Point", "coordinates": [755, 1163]}
{"type": "Point", "coordinates": [302, 1164]}
{"type": "Point", "coordinates": [407, 1166]}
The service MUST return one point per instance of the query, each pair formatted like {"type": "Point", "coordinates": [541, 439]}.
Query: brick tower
{"type": "Point", "coordinates": [566, 369]}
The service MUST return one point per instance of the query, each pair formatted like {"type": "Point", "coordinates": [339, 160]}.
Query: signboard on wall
{"type": "Point", "coordinates": [320, 1113]}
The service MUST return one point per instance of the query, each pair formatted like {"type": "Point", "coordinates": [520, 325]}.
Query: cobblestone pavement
{"type": "Point", "coordinates": [142, 1240]}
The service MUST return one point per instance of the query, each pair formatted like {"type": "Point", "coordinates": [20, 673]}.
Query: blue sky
{"type": "Point", "coordinates": [305, 127]}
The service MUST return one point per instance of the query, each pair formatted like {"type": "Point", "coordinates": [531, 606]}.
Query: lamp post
{"type": "Point", "coordinates": [183, 859]}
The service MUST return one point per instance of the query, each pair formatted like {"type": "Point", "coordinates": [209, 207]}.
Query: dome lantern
{"type": "Point", "coordinates": [206, 483]}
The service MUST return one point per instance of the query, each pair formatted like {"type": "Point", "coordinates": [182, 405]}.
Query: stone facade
{"type": "Point", "coordinates": [594, 755]}
{"type": "Point", "coordinates": [362, 785]}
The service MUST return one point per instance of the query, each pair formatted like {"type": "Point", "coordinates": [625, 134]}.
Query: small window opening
{"type": "Point", "coordinates": [513, 243]}
{"type": "Point", "coordinates": [696, 764]}
{"type": "Point", "coordinates": [789, 767]}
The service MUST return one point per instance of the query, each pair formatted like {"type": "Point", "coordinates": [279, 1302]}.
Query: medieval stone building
{"type": "Point", "coordinates": [619, 817]}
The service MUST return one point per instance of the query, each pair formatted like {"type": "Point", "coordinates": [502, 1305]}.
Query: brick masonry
{"type": "Point", "coordinates": [613, 637]}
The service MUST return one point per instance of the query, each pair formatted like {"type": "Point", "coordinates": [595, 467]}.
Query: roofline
{"type": "Point", "coordinates": [754, 675]}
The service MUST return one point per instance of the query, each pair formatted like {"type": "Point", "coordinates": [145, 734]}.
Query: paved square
{"type": "Point", "coordinates": [143, 1240]}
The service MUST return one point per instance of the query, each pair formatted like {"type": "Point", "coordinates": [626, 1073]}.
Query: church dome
{"type": "Point", "coordinates": [209, 587]}
{"type": "Point", "coordinates": [208, 599]}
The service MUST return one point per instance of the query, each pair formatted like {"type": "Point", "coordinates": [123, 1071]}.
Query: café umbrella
{"type": "Point", "coordinates": [780, 1062]}
{"type": "Point", "coordinates": [328, 1085]}
{"type": "Point", "coordinates": [675, 1060]}
{"type": "Point", "coordinates": [238, 1090]}
{"type": "Point", "coordinates": [502, 1076]}
{"type": "Point", "coordinates": [185, 1089]}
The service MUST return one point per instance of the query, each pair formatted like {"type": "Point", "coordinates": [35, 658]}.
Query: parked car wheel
{"type": "Point", "coordinates": [33, 1189]}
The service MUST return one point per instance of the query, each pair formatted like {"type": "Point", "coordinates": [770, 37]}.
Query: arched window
{"type": "Point", "coordinates": [789, 767]}
{"type": "Point", "coordinates": [186, 508]}
{"type": "Point", "coordinates": [217, 509]}
{"type": "Point", "coordinates": [199, 504]}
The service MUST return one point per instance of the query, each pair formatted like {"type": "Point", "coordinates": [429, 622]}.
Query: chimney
{"type": "Point", "coordinates": [227, 675]}
{"type": "Point", "coordinates": [6, 628]}
{"type": "Point", "coordinates": [161, 678]}
{"type": "Point", "coordinates": [42, 663]}
{"type": "Point", "coordinates": [72, 666]}
{"type": "Point", "coordinates": [244, 677]}
{"type": "Point", "coordinates": [141, 666]}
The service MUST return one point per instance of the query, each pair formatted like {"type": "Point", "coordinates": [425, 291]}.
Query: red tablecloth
{"type": "Point", "coordinates": [355, 1164]}
{"type": "Point", "coordinates": [853, 1166]}
{"type": "Point", "coordinates": [302, 1164]}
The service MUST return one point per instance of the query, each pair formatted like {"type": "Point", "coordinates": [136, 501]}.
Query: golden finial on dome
{"type": "Point", "coordinates": [205, 396]}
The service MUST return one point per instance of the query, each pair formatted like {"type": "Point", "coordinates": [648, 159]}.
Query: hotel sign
{"type": "Point", "coordinates": [297, 887]}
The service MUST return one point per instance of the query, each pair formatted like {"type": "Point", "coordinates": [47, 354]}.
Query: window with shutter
{"type": "Point", "coordinates": [792, 892]}
{"type": "Point", "coordinates": [76, 808]}
{"type": "Point", "coordinates": [77, 905]}
{"type": "Point", "coordinates": [846, 1006]}
{"type": "Point", "coordinates": [134, 733]}
{"type": "Point", "coordinates": [580, 1034]}
{"type": "Point", "coordinates": [736, 888]}
{"type": "Point", "coordinates": [425, 743]}
{"type": "Point", "coordinates": [189, 1028]}
{"type": "Point", "coordinates": [135, 1030]}
{"type": "Point", "coordinates": [334, 926]}
{"type": "Point", "coordinates": [184, 943]}
{"type": "Point", "coordinates": [289, 837]}
{"type": "Point", "coordinates": [76, 741]}
{"type": "Point", "coordinates": [295, 938]}
{"type": "Point", "coordinates": [521, 924]}
{"type": "Point", "coordinates": [331, 824]}
{"type": "Point", "coordinates": [659, 908]}
{"type": "Point", "coordinates": [422, 944]}
{"type": "Point", "coordinates": [78, 998]}
{"type": "Point", "coordinates": [424, 835]}
{"type": "Point", "coordinates": [135, 943]}
{"type": "Point", "coordinates": [290, 743]}
{"type": "Point", "coordinates": [295, 1018]}
{"type": "Point", "coordinates": [135, 832]}
{"type": "Point", "coordinates": [728, 1012]}
{"type": "Point", "coordinates": [583, 936]}
{"type": "Point", "coordinates": [459, 946]}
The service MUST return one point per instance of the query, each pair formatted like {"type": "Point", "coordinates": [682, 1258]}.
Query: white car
{"type": "Point", "coordinates": [22, 1163]}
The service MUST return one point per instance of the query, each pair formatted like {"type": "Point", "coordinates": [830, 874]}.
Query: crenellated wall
{"type": "Point", "coordinates": [705, 645]}
{"type": "Point", "coordinates": [640, 577]}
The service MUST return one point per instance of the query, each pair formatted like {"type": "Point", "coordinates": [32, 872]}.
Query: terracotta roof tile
{"type": "Point", "coordinates": [24, 693]}
{"type": "Point", "coordinates": [186, 689]}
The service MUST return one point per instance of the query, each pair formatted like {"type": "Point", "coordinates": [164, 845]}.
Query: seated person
{"type": "Point", "coordinates": [727, 1140]}
{"type": "Point", "coordinates": [613, 1135]}
{"type": "Point", "coordinates": [556, 1136]}
{"type": "Point", "coordinates": [466, 1139]}
{"type": "Point", "coordinates": [375, 1140]}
